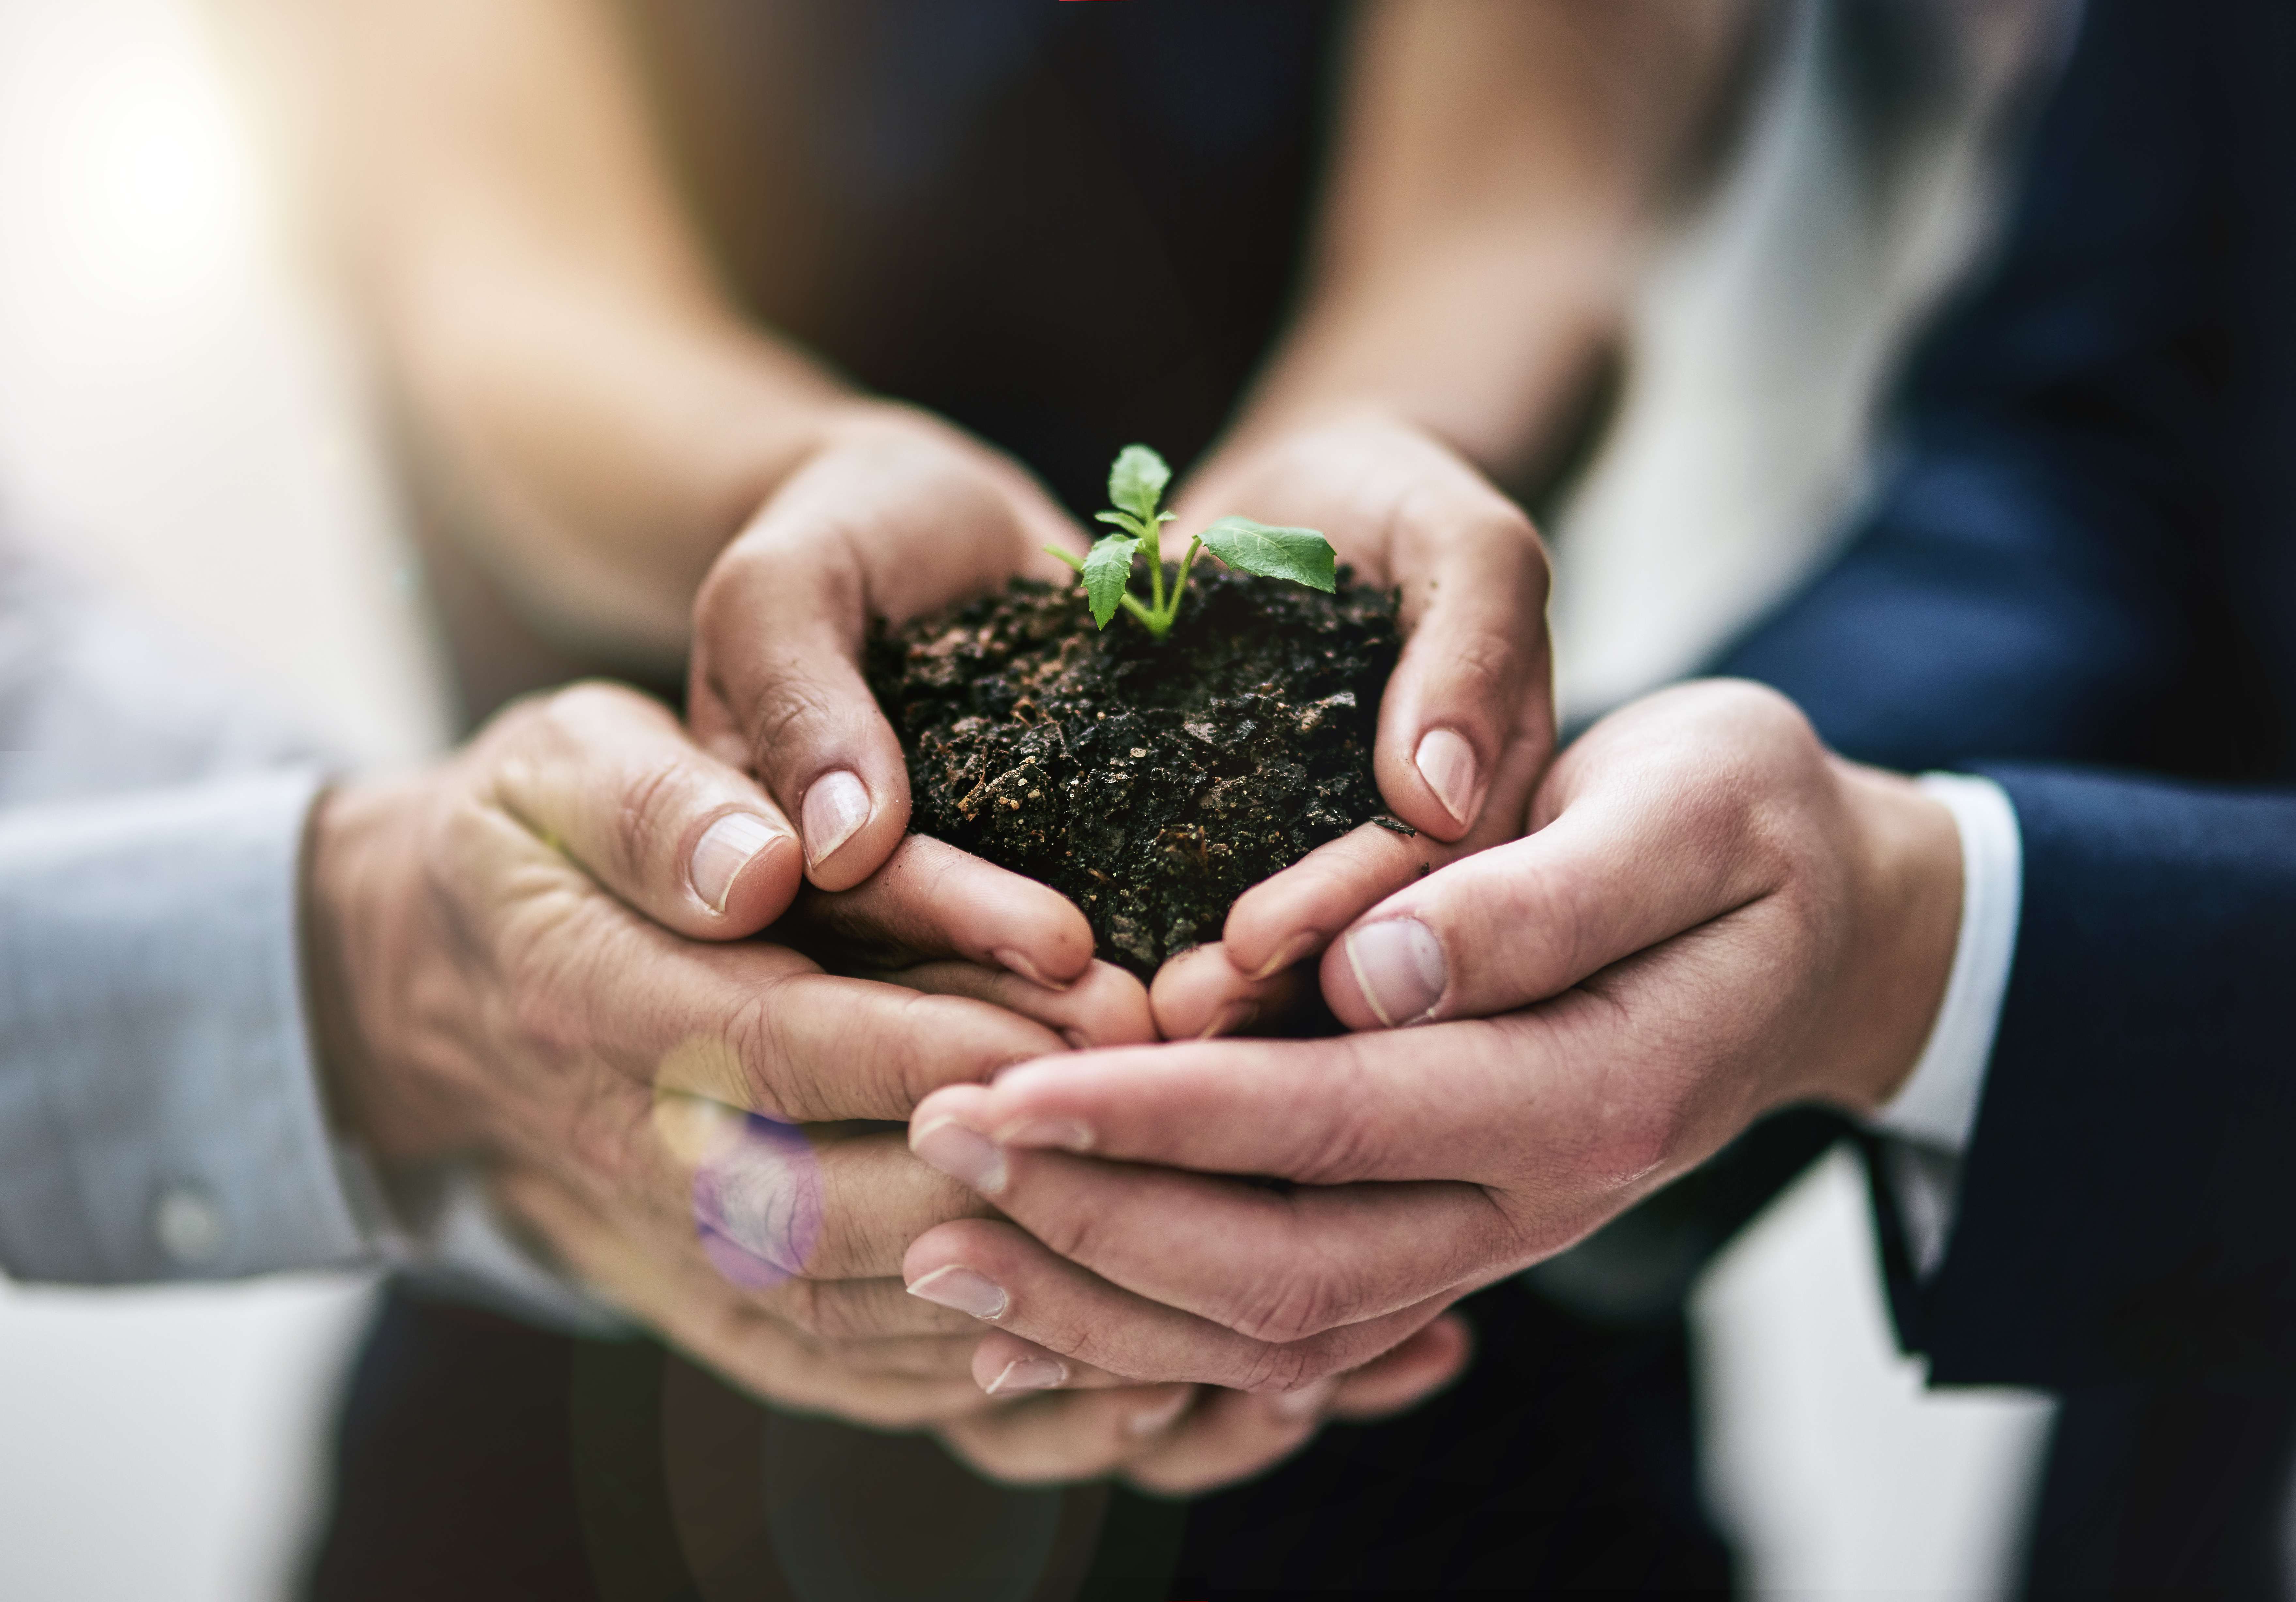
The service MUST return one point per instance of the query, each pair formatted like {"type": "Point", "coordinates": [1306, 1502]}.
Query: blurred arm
{"type": "Point", "coordinates": [159, 1117]}
{"type": "Point", "coordinates": [1499, 163]}
{"type": "Point", "coordinates": [549, 310]}
{"type": "Point", "coordinates": [158, 1114]}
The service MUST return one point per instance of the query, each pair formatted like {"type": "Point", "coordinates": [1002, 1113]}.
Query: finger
{"type": "Point", "coordinates": [773, 1202]}
{"type": "Point", "coordinates": [1526, 1103]}
{"type": "Point", "coordinates": [806, 1047]}
{"type": "Point", "coordinates": [931, 900]}
{"type": "Point", "coordinates": [1466, 719]}
{"type": "Point", "coordinates": [838, 1312]}
{"type": "Point", "coordinates": [607, 775]}
{"type": "Point", "coordinates": [1107, 1007]}
{"type": "Point", "coordinates": [895, 517]}
{"type": "Point", "coordinates": [1198, 995]}
{"type": "Point", "coordinates": [1294, 915]}
{"type": "Point", "coordinates": [928, 1357]}
{"type": "Point", "coordinates": [1228, 1435]}
{"type": "Point", "coordinates": [1079, 1436]}
{"type": "Point", "coordinates": [1224, 1437]}
{"type": "Point", "coordinates": [717, 1329]}
{"type": "Point", "coordinates": [1323, 1113]}
{"type": "Point", "coordinates": [1059, 1306]}
{"type": "Point", "coordinates": [1468, 716]}
{"type": "Point", "coordinates": [752, 1025]}
{"type": "Point", "coordinates": [1002, 1364]}
{"type": "Point", "coordinates": [1649, 845]}
{"type": "Point", "coordinates": [1408, 1376]}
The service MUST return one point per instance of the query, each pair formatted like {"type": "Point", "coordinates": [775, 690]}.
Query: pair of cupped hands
{"type": "Point", "coordinates": [857, 1119]}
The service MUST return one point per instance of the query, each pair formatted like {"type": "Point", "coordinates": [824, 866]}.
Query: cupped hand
{"type": "Point", "coordinates": [1714, 918]}
{"type": "Point", "coordinates": [1466, 722]}
{"type": "Point", "coordinates": [531, 957]}
{"type": "Point", "coordinates": [1171, 1439]}
{"type": "Point", "coordinates": [891, 515]}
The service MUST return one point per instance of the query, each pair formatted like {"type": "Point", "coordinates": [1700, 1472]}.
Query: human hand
{"type": "Point", "coordinates": [891, 515]}
{"type": "Point", "coordinates": [521, 957]}
{"type": "Point", "coordinates": [1714, 918]}
{"type": "Point", "coordinates": [1467, 720]}
{"type": "Point", "coordinates": [1169, 1439]}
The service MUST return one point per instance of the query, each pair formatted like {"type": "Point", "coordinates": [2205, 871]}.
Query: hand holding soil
{"type": "Point", "coordinates": [1464, 725]}
{"type": "Point", "coordinates": [1154, 773]}
{"type": "Point", "coordinates": [893, 514]}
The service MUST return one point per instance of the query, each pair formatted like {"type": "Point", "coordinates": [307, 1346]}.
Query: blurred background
{"type": "Point", "coordinates": [184, 420]}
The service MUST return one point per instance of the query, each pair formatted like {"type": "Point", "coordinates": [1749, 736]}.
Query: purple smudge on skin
{"type": "Point", "coordinates": [756, 1201]}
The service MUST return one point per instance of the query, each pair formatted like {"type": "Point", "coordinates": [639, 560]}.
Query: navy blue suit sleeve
{"type": "Point", "coordinates": [2068, 574]}
{"type": "Point", "coordinates": [2032, 576]}
{"type": "Point", "coordinates": [2129, 1203]}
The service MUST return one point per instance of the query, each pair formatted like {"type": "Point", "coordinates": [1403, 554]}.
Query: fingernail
{"type": "Point", "coordinates": [1399, 964]}
{"type": "Point", "coordinates": [1018, 962]}
{"type": "Point", "coordinates": [1062, 1134]}
{"type": "Point", "coordinates": [836, 805]}
{"type": "Point", "coordinates": [1308, 1401]}
{"type": "Point", "coordinates": [1234, 1017]}
{"type": "Point", "coordinates": [968, 1292]}
{"type": "Point", "coordinates": [1291, 951]}
{"type": "Point", "coordinates": [1077, 1040]}
{"type": "Point", "coordinates": [1030, 1373]}
{"type": "Point", "coordinates": [1148, 1421]}
{"type": "Point", "coordinates": [1448, 763]}
{"type": "Point", "coordinates": [963, 1154]}
{"type": "Point", "coordinates": [727, 846]}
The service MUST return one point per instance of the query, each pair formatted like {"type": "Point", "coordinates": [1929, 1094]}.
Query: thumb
{"type": "Point", "coordinates": [1658, 819]}
{"type": "Point", "coordinates": [895, 517]}
{"type": "Point", "coordinates": [608, 776]}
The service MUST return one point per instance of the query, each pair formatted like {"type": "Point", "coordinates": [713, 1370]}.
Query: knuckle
{"type": "Point", "coordinates": [1293, 1304]}
{"type": "Point", "coordinates": [651, 815]}
{"type": "Point", "coordinates": [1484, 668]}
{"type": "Point", "coordinates": [579, 704]}
{"type": "Point", "coordinates": [1275, 1366]}
{"type": "Point", "coordinates": [1339, 1152]}
{"type": "Point", "coordinates": [811, 1315]}
{"type": "Point", "coordinates": [1638, 1137]}
{"type": "Point", "coordinates": [780, 1082]}
{"type": "Point", "coordinates": [1072, 1233]}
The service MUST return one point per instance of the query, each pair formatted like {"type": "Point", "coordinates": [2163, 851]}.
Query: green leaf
{"type": "Point", "coordinates": [1137, 480]}
{"type": "Point", "coordinates": [1107, 569]}
{"type": "Point", "coordinates": [1302, 555]}
{"type": "Point", "coordinates": [1124, 521]}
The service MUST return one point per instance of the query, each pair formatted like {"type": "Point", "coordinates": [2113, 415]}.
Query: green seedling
{"type": "Point", "coordinates": [1136, 484]}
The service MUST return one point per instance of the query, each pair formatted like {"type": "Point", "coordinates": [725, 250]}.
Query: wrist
{"type": "Point", "coordinates": [353, 935]}
{"type": "Point", "coordinates": [1906, 925]}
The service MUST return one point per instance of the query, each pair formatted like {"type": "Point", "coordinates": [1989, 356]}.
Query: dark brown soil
{"type": "Point", "coordinates": [1150, 782]}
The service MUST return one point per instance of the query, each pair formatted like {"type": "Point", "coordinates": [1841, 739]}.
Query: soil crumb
{"type": "Point", "coordinates": [1152, 783]}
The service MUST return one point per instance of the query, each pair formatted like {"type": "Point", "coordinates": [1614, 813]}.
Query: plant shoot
{"type": "Point", "coordinates": [1135, 485]}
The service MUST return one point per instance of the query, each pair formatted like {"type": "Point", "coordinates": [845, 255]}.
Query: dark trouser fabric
{"type": "Point", "coordinates": [478, 1457]}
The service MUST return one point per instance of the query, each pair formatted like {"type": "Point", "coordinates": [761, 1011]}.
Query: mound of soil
{"type": "Point", "coordinates": [1150, 782]}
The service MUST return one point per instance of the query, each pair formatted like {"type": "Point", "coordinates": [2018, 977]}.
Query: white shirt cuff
{"type": "Point", "coordinates": [1933, 1113]}
{"type": "Point", "coordinates": [1938, 1104]}
{"type": "Point", "coordinates": [158, 1114]}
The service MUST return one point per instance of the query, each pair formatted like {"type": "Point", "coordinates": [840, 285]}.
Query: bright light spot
{"type": "Point", "coordinates": [126, 172]}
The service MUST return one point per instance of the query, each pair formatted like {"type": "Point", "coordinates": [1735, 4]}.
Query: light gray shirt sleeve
{"type": "Point", "coordinates": [159, 1109]}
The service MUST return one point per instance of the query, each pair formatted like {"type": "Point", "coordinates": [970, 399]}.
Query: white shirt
{"type": "Point", "coordinates": [1932, 1114]}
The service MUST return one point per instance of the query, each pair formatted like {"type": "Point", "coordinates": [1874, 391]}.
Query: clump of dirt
{"type": "Point", "coordinates": [1150, 782]}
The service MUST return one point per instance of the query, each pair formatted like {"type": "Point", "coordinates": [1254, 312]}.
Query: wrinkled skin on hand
{"type": "Point", "coordinates": [1714, 917]}
{"type": "Point", "coordinates": [513, 962]}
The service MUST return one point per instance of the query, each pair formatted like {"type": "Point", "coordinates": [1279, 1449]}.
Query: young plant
{"type": "Point", "coordinates": [1136, 484]}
